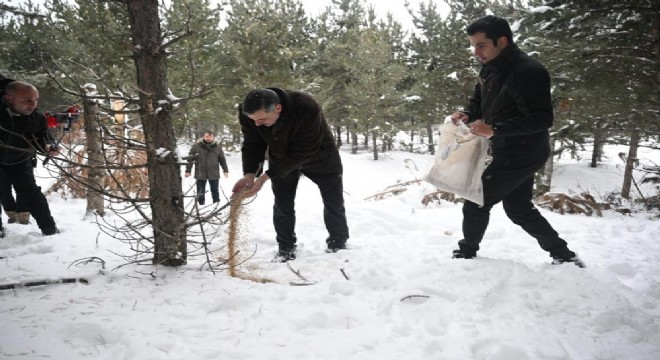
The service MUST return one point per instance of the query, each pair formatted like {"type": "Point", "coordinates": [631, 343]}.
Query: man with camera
{"type": "Point", "coordinates": [23, 134]}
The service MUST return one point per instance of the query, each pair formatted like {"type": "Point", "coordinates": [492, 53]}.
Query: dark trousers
{"type": "Point", "coordinates": [21, 177]}
{"type": "Point", "coordinates": [7, 198]}
{"type": "Point", "coordinates": [201, 191]}
{"type": "Point", "coordinates": [510, 180]}
{"type": "Point", "coordinates": [334, 213]}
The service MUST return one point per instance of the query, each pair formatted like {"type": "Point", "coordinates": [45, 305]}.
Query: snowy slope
{"type": "Point", "coordinates": [396, 294]}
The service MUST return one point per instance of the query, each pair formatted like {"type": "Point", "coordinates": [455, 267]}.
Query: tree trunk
{"type": "Point", "coordinates": [166, 197]}
{"type": "Point", "coordinates": [599, 145]}
{"type": "Point", "coordinates": [354, 147]}
{"type": "Point", "coordinates": [544, 177]}
{"type": "Point", "coordinates": [95, 159]}
{"type": "Point", "coordinates": [429, 130]}
{"type": "Point", "coordinates": [656, 45]}
{"type": "Point", "coordinates": [630, 164]}
{"type": "Point", "coordinates": [120, 130]}
{"type": "Point", "coordinates": [374, 137]}
{"type": "Point", "coordinates": [237, 136]}
{"type": "Point", "coordinates": [338, 138]}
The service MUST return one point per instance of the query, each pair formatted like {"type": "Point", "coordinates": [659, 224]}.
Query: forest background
{"type": "Point", "coordinates": [374, 78]}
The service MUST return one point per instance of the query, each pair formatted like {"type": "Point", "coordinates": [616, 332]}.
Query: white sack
{"type": "Point", "coordinates": [459, 163]}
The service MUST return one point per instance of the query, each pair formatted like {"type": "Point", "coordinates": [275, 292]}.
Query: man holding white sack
{"type": "Point", "coordinates": [512, 107]}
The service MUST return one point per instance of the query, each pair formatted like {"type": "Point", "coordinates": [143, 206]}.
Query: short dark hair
{"type": "Point", "coordinates": [493, 26]}
{"type": "Point", "coordinates": [14, 86]}
{"type": "Point", "coordinates": [209, 132]}
{"type": "Point", "coordinates": [259, 99]}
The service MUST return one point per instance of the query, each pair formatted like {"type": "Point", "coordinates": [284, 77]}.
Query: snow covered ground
{"type": "Point", "coordinates": [395, 294]}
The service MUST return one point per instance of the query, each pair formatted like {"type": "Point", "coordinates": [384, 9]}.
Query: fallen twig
{"type": "Point", "coordinates": [344, 273]}
{"type": "Point", "coordinates": [300, 284]}
{"type": "Point", "coordinates": [88, 260]}
{"type": "Point", "coordinates": [393, 190]}
{"type": "Point", "coordinates": [298, 274]}
{"type": "Point", "coordinates": [44, 282]}
{"type": "Point", "coordinates": [415, 296]}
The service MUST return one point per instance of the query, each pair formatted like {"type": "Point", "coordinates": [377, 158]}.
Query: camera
{"type": "Point", "coordinates": [54, 146]}
{"type": "Point", "coordinates": [67, 119]}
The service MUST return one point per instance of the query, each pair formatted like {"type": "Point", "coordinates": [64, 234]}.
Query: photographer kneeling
{"type": "Point", "coordinates": [23, 133]}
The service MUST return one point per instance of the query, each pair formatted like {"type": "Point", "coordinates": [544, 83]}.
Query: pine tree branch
{"type": "Point", "coordinates": [16, 11]}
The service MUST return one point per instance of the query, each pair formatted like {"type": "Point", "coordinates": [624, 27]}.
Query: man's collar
{"type": "Point", "coordinates": [11, 111]}
{"type": "Point", "coordinates": [503, 58]}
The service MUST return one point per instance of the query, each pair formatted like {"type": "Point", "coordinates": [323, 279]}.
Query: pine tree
{"type": "Point", "coordinates": [337, 30]}
{"type": "Point", "coordinates": [357, 70]}
{"type": "Point", "coordinates": [608, 54]}
{"type": "Point", "coordinates": [443, 70]}
{"type": "Point", "coordinates": [264, 43]}
{"type": "Point", "coordinates": [192, 67]}
{"type": "Point", "coordinates": [603, 53]}
{"type": "Point", "coordinates": [166, 198]}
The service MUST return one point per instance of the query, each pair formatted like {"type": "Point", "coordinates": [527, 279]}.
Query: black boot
{"type": "Point", "coordinates": [335, 245]}
{"type": "Point", "coordinates": [462, 254]}
{"type": "Point", "coordinates": [568, 257]}
{"type": "Point", "coordinates": [50, 231]}
{"type": "Point", "coordinates": [285, 254]}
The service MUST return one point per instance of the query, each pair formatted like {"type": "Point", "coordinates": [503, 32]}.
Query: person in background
{"type": "Point", "coordinates": [290, 126]}
{"type": "Point", "coordinates": [208, 157]}
{"type": "Point", "coordinates": [23, 134]}
{"type": "Point", "coordinates": [512, 107]}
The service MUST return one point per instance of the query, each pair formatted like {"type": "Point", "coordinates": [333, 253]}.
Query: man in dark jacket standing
{"type": "Point", "coordinates": [207, 155]}
{"type": "Point", "coordinates": [291, 127]}
{"type": "Point", "coordinates": [23, 133]}
{"type": "Point", "coordinates": [16, 209]}
{"type": "Point", "coordinates": [511, 105]}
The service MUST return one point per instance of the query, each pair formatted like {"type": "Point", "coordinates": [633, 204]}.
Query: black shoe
{"type": "Point", "coordinates": [460, 254]}
{"type": "Point", "coordinates": [2, 232]}
{"type": "Point", "coordinates": [335, 244]}
{"type": "Point", "coordinates": [284, 255]}
{"type": "Point", "coordinates": [333, 248]}
{"type": "Point", "coordinates": [569, 257]}
{"type": "Point", "coordinates": [50, 231]}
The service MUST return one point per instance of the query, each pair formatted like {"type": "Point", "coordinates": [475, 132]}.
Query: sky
{"type": "Point", "coordinates": [394, 294]}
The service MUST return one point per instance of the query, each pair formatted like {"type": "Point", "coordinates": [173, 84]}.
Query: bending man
{"type": "Point", "coordinates": [291, 127]}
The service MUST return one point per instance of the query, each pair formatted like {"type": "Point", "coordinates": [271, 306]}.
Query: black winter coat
{"type": "Point", "coordinates": [207, 158]}
{"type": "Point", "coordinates": [300, 139]}
{"type": "Point", "coordinates": [21, 136]}
{"type": "Point", "coordinates": [513, 95]}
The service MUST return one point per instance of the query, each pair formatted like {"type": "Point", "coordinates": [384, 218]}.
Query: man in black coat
{"type": "Point", "coordinates": [290, 126]}
{"type": "Point", "coordinates": [23, 134]}
{"type": "Point", "coordinates": [16, 209]}
{"type": "Point", "coordinates": [511, 105]}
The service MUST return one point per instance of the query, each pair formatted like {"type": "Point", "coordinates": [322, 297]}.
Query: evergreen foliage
{"type": "Point", "coordinates": [193, 66]}
{"type": "Point", "coordinates": [367, 73]}
{"type": "Point", "coordinates": [606, 64]}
